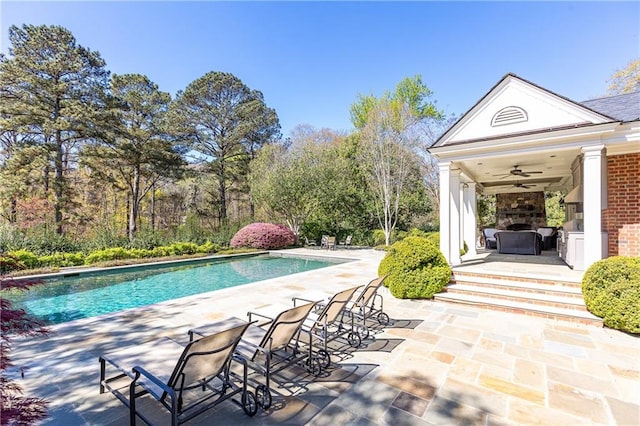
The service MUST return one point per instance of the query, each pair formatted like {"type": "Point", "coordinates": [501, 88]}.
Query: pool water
{"type": "Point", "coordinates": [65, 299]}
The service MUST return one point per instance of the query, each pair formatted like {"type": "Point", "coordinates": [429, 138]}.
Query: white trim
{"type": "Point", "coordinates": [444, 171]}
{"type": "Point", "coordinates": [592, 184]}
{"type": "Point", "coordinates": [470, 223]}
{"type": "Point", "coordinates": [455, 217]}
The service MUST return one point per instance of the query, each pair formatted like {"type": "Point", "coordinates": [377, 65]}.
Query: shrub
{"type": "Point", "coordinates": [208, 247]}
{"type": "Point", "coordinates": [265, 236]}
{"type": "Point", "coordinates": [62, 260]}
{"type": "Point", "coordinates": [611, 290]}
{"type": "Point", "coordinates": [416, 269]}
{"type": "Point", "coordinates": [9, 263]}
{"type": "Point", "coordinates": [27, 258]}
{"type": "Point", "coordinates": [434, 237]}
{"type": "Point", "coordinates": [114, 253]}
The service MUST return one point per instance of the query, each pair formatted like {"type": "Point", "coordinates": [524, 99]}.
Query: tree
{"type": "Point", "coordinates": [410, 93]}
{"type": "Point", "coordinates": [52, 90]}
{"type": "Point", "coordinates": [225, 122]}
{"type": "Point", "coordinates": [388, 153]}
{"type": "Point", "coordinates": [287, 182]}
{"type": "Point", "coordinates": [390, 138]}
{"type": "Point", "coordinates": [626, 80]}
{"type": "Point", "coordinates": [139, 150]}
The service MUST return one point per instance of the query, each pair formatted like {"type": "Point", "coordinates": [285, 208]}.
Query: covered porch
{"type": "Point", "coordinates": [517, 142]}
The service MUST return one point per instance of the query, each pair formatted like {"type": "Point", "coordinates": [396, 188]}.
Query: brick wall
{"type": "Point", "coordinates": [621, 219]}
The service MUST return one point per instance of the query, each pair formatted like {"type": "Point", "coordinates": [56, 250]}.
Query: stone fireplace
{"type": "Point", "coordinates": [521, 207]}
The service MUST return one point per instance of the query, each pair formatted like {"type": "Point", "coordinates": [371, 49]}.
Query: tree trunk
{"type": "Point", "coordinates": [222, 192]}
{"type": "Point", "coordinates": [58, 183]}
{"type": "Point", "coordinates": [13, 210]}
{"type": "Point", "coordinates": [153, 207]}
{"type": "Point", "coordinates": [135, 203]}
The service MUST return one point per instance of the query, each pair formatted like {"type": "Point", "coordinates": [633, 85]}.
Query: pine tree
{"type": "Point", "coordinates": [53, 90]}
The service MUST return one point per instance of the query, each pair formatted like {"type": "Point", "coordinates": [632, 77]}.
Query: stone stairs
{"type": "Point", "coordinates": [529, 296]}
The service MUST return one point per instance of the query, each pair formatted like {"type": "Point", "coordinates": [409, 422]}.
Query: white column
{"type": "Point", "coordinates": [469, 220]}
{"type": "Point", "coordinates": [445, 234]}
{"type": "Point", "coordinates": [454, 217]}
{"type": "Point", "coordinates": [592, 187]}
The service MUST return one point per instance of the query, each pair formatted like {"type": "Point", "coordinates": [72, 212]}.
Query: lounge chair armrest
{"type": "Point", "coordinates": [250, 314]}
{"type": "Point", "coordinates": [140, 371]}
{"type": "Point", "coordinates": [295, 299]}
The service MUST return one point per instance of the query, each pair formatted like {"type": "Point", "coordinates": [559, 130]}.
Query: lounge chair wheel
{"type": "Point", "coordinates": [363, 331]}
{"type": "Point", "coordinates": [324, 358]}
{"type": "Point", "coordinates": [383, 318]}
{"type": "Point", "coordinates": [263, 395]}
{"type": "Point", "coordinates": [249, 403]}
{"type": "Point", "coordinates": [354, 339]}
{"type": "Point", "coordinates": [314, 366]}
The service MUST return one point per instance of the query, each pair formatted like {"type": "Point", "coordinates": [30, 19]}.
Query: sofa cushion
{"type": "Point", "coordinates": [519, 242]}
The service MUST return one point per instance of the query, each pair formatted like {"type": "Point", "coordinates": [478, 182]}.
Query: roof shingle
{"type": "Point", "coordinates": [625, 107]}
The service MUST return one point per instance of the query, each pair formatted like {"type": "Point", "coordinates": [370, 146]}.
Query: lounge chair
{"type": "Point", "coordinates": [364, 306]}
{"type": "Point", "coordinates": [271, 347]}
{"type": "Point", "coordinates": [328, 324]}
{"type": "Point", "coordinates": [187, 381]}
{"type": "Point", "coordinates": [308, 242]}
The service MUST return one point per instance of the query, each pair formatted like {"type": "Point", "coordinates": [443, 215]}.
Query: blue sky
{"type": "Point", "coordinates": [312, 59]}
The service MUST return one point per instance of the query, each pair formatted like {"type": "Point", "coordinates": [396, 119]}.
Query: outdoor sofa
{"type": "Point", "coordinates": [518, 242]}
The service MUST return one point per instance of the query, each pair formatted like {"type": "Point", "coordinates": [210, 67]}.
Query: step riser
{"type": "Point", "coordinates": [520, 311]}
{"type": "Point", "coordinates": [578, 306]}
{"type": "Point", "coordinates": [548, 292]}
{"type": "Point", "coordinates": [473, 277]}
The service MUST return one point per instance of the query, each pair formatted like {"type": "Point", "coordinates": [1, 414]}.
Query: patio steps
{"type": "Point", "coordinates": [529, 296]}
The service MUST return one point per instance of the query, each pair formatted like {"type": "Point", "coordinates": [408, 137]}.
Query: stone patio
{"type": "Point", "coordinates": [436, 364]}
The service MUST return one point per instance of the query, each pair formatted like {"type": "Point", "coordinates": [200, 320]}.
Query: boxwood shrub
{"type": "Point", "coordinates": [415, 269]}
{"type": "Point", "coordinates": [266, 236]}
{"type": "Point", "coordinates": [611, 290]}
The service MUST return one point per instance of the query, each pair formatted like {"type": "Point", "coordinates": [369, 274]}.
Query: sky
{"type": "Point", "coordinates": [311, 60]}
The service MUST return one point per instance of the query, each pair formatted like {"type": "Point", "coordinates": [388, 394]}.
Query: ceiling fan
{"type": "Point", "coordinates": [519, 172]}
{"type": "Point", "coordinates": [520, 185]}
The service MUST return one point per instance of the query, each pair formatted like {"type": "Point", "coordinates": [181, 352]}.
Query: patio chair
{"type": "Point", "coordinates": [323, 241]}
{"type": "Point", "coordinates": [346, 242]}
{"type": "Point", "coordinates": [308, 242]}
{"type": "Point", "coordinates": [364, 306]}
{"type": "Point", "coordinates": [270, 347]}
{"type": "Point", "coordinates": [489, 235]}
{"type": "Point", "coordinates": [331, 243]}
{"type": "Point", "coordinates": [328, 324]}
{"type": "Point", "coordinates": [187, 381]}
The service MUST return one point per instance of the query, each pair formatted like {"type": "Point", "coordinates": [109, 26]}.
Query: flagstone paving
{"type": "Point", "coordinates": [436, 363]}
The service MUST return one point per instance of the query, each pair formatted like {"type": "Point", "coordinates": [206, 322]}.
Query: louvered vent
{"type": "Point", "coordinates": [509, 115]}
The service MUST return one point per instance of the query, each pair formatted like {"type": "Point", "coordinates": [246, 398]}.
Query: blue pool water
{"type": "Point", "coordinates": [60, 300]}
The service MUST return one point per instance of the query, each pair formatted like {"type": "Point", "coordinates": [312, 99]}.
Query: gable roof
{"type": "Point", "coordinates": [588, 114]}
{"type": "Point", "coordinates": [625, 107]}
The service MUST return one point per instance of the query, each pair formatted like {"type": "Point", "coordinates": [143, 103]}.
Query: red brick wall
{"type": "Point", "coordinates": [621, 219]}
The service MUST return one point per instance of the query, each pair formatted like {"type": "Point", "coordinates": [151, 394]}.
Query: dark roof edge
{"type": "Point", "coordinates": [510, 74]}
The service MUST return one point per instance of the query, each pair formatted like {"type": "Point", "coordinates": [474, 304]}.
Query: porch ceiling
{"type": "Point", "coordinates": [492, 172]}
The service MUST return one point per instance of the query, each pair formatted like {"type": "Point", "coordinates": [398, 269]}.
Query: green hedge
{"type": "Point", "coordinates": [611, 290]}
{"type": "Point", "coordinates": [31, 261]}
{"type": "Point", "coordinates": [415, 269]}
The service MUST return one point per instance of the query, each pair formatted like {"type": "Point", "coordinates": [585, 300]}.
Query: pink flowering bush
{"type": "Point", "coordinates": [265, 236]}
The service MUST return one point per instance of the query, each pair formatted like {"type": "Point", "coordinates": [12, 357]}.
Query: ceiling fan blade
{"type": "Point", "coordinates": [523, 174]}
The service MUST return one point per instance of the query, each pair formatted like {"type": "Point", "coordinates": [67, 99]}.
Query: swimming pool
{"type": "Point", "coordinates": [67, 298]}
